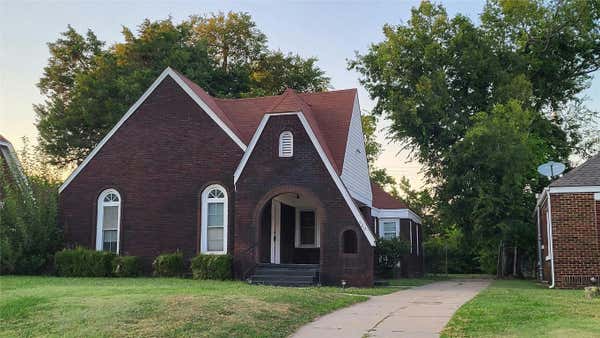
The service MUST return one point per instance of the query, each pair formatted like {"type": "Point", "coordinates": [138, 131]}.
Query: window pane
{"type": "Point", "coordinates": [216, 193]}
{"type": "Point", "coordinates": [109, 238]}
{"type": "Point", "coordinates": [215, 239]}
{"type": "Point", "coordinates": [215, 214]}
{"type": "Point", "coordinates": [307, 227]}
{"type": "Point", "coordinates": [389, 230]}
{"type": "Point", "coordinates": [110, 218]}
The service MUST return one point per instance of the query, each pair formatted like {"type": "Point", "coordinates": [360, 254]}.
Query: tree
{"type": "Point", "coordinates": [232, 38]}
{"type": "Point", "coordinates": [438, 78]}
{"type": "Point", "coordinates": [373, 149]}
{"type": "Point", "coordinates": [88, 88]}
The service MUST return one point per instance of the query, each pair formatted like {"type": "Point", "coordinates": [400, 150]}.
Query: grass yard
{"type": "Point", "coordinates": [151, 307]}
{"type": "Point", "coordinates": [525, 309]}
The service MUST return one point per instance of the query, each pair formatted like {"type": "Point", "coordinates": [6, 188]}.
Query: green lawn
{"type": "Point", "coordinates": [76, 307]}
{"type": "Point", "coordinates": [526, 309]}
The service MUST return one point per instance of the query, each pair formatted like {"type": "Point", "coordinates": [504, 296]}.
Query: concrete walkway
{"type": "Point", "coordinates": [416, 312]}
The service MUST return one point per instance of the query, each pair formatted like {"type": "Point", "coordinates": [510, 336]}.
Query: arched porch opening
{"type": "Point", "coordinates": [291, 223]}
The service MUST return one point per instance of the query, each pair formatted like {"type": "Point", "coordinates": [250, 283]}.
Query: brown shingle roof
{"type": "Point", "coordinates": [586, 174]}
{"type": "Point", "coordinates": [330, 111]}
{"type": "Point", "coordinates": [383, 200]}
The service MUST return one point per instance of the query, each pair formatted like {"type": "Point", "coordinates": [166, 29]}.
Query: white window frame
{"type": "Point", "coordinates": [387, 220]}
{"type": "Point", "coordinates": [411, 236]}
{"type": "Point", "coordinates": [100, 218]}
{"type": "Point", "coordinates": [291, 138]}
{"type": "Point", "coordinates": [417, 233]}
{"type": "Point", "coordinates": [204, 219]}
{"type": "Point", "coordinates": [297, 241]}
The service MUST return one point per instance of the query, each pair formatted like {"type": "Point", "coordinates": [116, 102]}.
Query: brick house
{"type": "Point", "coordinates": [280, 183]}
{"type": "Point", "coordinates": [568, 224]}
{"type": "Point", "coordinates": [10, 166]}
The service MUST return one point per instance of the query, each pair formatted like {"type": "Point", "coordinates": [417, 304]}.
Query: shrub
{"type": "Point", "coordinates": [212, 267]}
{"type": "Point", "coordinates": [169, 265]}
{"type": "Point", "coordinates": [82, 262]}
{"type": "Point", "coordinates": [29, 234]}
{"type": "Point", "coordinates": [126, 266]}
{"type": "Point", "coordinates": [388, 253]}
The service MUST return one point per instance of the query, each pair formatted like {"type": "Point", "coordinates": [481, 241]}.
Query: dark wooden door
{"type": "Point", "coordinates": [265, 234]}
{"type": "Point", "coordinates": [288, 227]}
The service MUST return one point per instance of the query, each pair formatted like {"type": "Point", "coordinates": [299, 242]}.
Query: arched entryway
{"type": "Point", "coordinates": [291, 222]}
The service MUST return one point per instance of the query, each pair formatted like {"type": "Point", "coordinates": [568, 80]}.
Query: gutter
{"type": "Point", "coordinates": [539, 243]}
{"type": "Point", "coordinates": [550, 241]}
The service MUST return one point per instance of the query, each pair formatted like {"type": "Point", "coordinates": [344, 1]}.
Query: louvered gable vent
{"type": "Point", "coordinates": [286, 144]}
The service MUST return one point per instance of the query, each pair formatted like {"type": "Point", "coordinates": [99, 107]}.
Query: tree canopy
{"type": "Point", "coordinates": [482, 105]}
{"type": "Point", "coordinates": [88, 86]}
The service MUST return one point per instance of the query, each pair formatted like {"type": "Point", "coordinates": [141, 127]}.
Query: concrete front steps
{"type": "Point", "coordinates": [286, 274]}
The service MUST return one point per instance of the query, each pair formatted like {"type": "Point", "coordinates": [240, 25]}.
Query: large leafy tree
{"type": "Point", "coordinates": [482, 105]}
{"type": "Point", "coordinates": [88, 86]}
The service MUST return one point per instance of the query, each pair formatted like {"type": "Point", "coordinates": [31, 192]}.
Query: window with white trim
{"type": "Point", "coordinates": [214, 220]}
{"type": "Point", "coordinates": [389, 228]}
{"type": "Point", "coordinates": [108, 221]}
{"type": "Point", "coordinates": [286, 144]}
{"type": "Point", "coordinates": [307, 230]}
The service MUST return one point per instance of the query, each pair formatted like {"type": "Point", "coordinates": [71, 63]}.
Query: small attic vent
{"type": "Point", "coordinates": [286, 144]}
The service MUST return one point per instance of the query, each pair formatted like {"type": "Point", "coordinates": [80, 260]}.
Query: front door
{"type": "Point", "coordinates": [283, 218]}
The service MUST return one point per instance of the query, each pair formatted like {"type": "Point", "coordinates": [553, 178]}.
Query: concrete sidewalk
{"type": "Point", "coordinates": [417, 312]}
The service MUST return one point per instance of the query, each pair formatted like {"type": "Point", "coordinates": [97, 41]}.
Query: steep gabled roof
{"type": "Point", "coordinates": [383, 200]}
{"type": "Point", "coordinates": [586, 174]}
{"type": "Point", "coordinates": [331, 111]}
{"type": "Point", "coordinates": [11, 161]}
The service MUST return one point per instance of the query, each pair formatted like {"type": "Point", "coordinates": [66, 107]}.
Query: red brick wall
{"type": "Point", "coordinates": [159, 160]}
{"type": "Point", "coordinates": [267, 175]}
{"type": "Point", "coordinates": [575, 236]}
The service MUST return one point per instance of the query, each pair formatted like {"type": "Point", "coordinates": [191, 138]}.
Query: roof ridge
{"type": "Point", "coordinates": [325, 92]}
{"type": "Point", "coordinates": [247, 98]}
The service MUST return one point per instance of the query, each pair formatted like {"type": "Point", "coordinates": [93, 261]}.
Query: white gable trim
{"type": "Point", "coordinates": [328, 165]}
{"type": "Point", "coordinates": [167, 72]}
{"type": "Point", "coordinates": [396, 213]}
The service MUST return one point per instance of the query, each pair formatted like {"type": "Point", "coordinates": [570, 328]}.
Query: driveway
{"type": "Point", "coordinates": [417, 312]}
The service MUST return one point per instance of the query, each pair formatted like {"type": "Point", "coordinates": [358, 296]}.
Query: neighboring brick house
{"type": "Point", "coordinates": [9, 166]}
{"type": "Point", "coordinates": [568, 220]}
{"type": "Point", "coordinates": [279, 180]}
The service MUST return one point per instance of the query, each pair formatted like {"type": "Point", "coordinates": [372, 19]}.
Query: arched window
{"type": "Point", "coordinates": [214, 220]}
{"type": "Point", "coordinates": [108, 224]}
{"type": "Point", "coordinates": [349, 242]}
{"type": "Point", "coordinates": [286, 144]}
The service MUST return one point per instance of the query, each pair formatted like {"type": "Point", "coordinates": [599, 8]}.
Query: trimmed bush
{"type": "Point", "coordinates": [169, 265]}
{"type": "Point", "coordinates": [212, 267]}
{"type": "Point", "coordinates": [126, 266]}
{"type": "Point", "coordinates": [82, 262]}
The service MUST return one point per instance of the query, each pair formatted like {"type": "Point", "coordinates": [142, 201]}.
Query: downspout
{"type": "Point", "coordinates": [550, 240]}
{"type": "Point", "coordinates": [539, 242]}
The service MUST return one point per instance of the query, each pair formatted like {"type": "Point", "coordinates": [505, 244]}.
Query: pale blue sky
{"type": "Point", "coordinates": [331, 31]}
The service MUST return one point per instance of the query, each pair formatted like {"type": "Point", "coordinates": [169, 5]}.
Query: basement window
{"type": "Point", "coordinates": [286, 144]}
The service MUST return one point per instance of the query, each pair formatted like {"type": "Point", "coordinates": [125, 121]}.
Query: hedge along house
{"type": "Point", "coordinates": [277, 182]}
{"type": "Point", "coordinates": [568, 222]}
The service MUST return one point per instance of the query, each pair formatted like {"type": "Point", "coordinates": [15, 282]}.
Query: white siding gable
{"type": "Point", "coordinates": [355, 173]}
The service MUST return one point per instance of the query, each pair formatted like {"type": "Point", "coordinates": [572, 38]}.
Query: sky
{"type": "Point", "coordinates": [330, 30]}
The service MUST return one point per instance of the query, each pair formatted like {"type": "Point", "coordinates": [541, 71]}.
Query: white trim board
{"type": "Point", "coordinates": [167, 72]}
{"type": "Point", "coordinates": [565, 190]}
{"type": "Point", "coordinates": [582, 189]}
{"type": "Point", "coordinates": [328, 165]}
{"type": "Point", "coordinates": [396, 213]}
